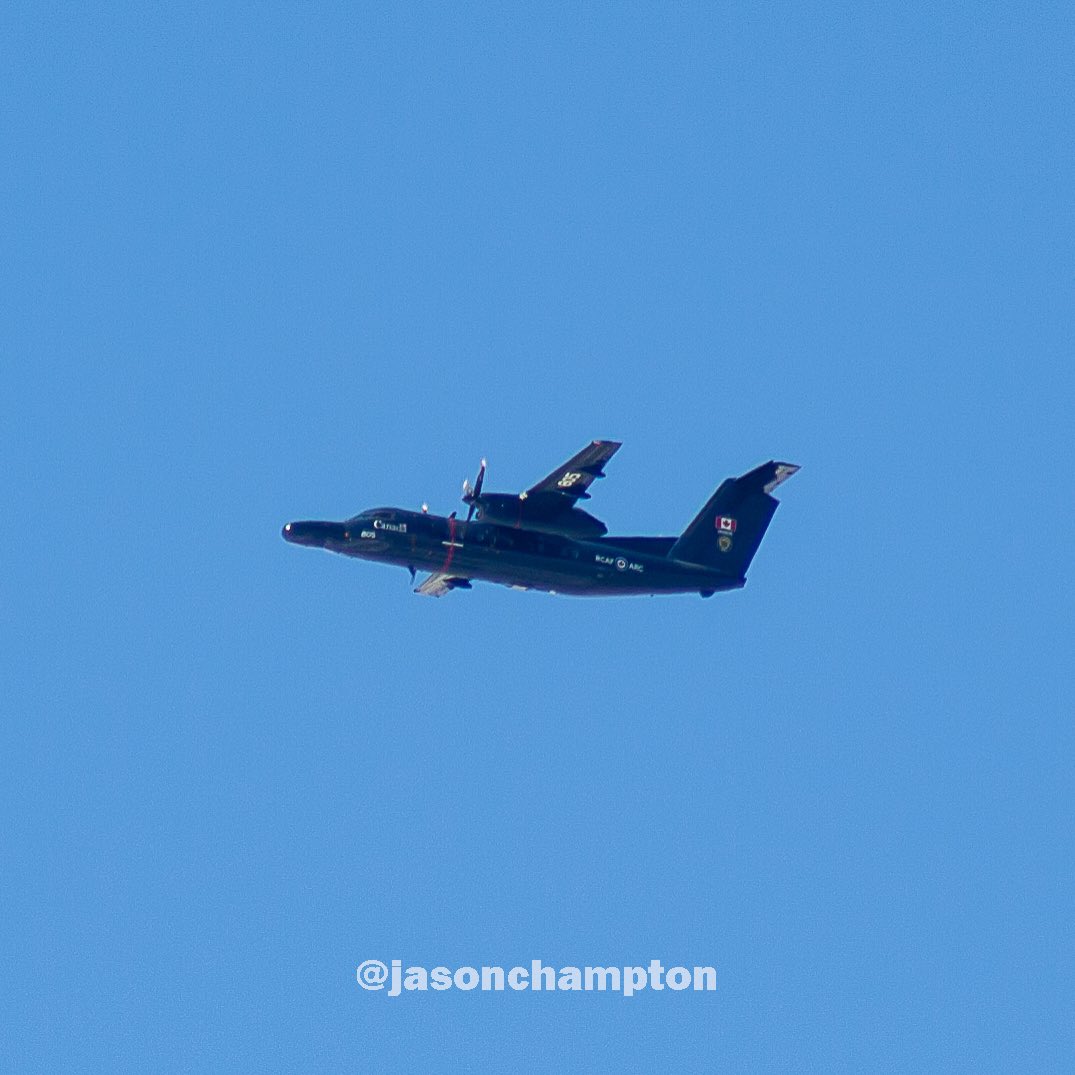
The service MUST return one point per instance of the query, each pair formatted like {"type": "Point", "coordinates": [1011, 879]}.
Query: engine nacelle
{"type": "Point", "coordinates": [549, 514]}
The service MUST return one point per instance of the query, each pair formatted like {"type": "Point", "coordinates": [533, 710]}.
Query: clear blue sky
{"type": "Point", "coordinates": [292, 262]}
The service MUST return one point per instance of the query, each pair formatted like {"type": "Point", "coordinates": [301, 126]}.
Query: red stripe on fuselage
{"type": "Point", "coordinates": [451, 545]}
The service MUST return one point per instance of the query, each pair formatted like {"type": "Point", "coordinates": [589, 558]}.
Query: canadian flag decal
{"type": "Point", "coordinates": [726, 524]}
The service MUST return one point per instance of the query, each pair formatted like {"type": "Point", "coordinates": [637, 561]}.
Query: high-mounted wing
{"type": "Point", "coordinates": [438, 584]}
{"type": "Point", "coordinates": [551, 505]}
{"type": "Point", "coordinates": [572, 480]}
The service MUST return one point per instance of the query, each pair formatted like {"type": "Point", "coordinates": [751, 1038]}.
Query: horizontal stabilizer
{"type": "Point", "coordinates": [768, 476]}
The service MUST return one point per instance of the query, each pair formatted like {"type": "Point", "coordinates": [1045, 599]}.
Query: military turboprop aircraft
{"type": "Point", "coordinates": [542, 540]}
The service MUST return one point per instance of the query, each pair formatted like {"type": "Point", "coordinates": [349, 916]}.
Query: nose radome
{"type": "Point", "coordinates": [313, 532]}
{"type": "Point", "coordinates": [299, 533]}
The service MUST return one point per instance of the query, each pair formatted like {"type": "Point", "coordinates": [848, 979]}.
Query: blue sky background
{"type": "Point", "coordinates": [290, 262]}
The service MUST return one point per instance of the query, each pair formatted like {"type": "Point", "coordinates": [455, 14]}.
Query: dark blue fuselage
{"type": "Point", "coordinates": [511, 556]}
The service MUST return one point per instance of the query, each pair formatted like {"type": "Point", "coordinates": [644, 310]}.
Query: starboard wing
{"type": "Point", "coordinates": [572, 480]}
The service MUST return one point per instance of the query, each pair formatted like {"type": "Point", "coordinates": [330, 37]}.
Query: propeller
{"type": "Point", "coordinates": [472, 495]}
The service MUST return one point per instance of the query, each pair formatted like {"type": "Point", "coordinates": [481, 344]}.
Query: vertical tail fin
{"type": "Point", "coordinates": [726, 533]}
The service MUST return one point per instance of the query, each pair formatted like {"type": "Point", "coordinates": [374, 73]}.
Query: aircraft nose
{"type": "Point", "coordinates": [304, 533]}
{"type": "Point", "coordinates": [312, 533]}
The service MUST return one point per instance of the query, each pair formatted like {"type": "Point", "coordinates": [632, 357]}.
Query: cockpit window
{"type": "Point", "coordinates": [387, 515]}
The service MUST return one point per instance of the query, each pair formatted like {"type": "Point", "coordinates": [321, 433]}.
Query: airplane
{"type": "Point", "coordinates": [541, 539]}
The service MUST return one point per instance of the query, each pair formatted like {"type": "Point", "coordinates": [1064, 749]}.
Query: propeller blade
{"type": "Point", "coordinates": [472, 494]}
